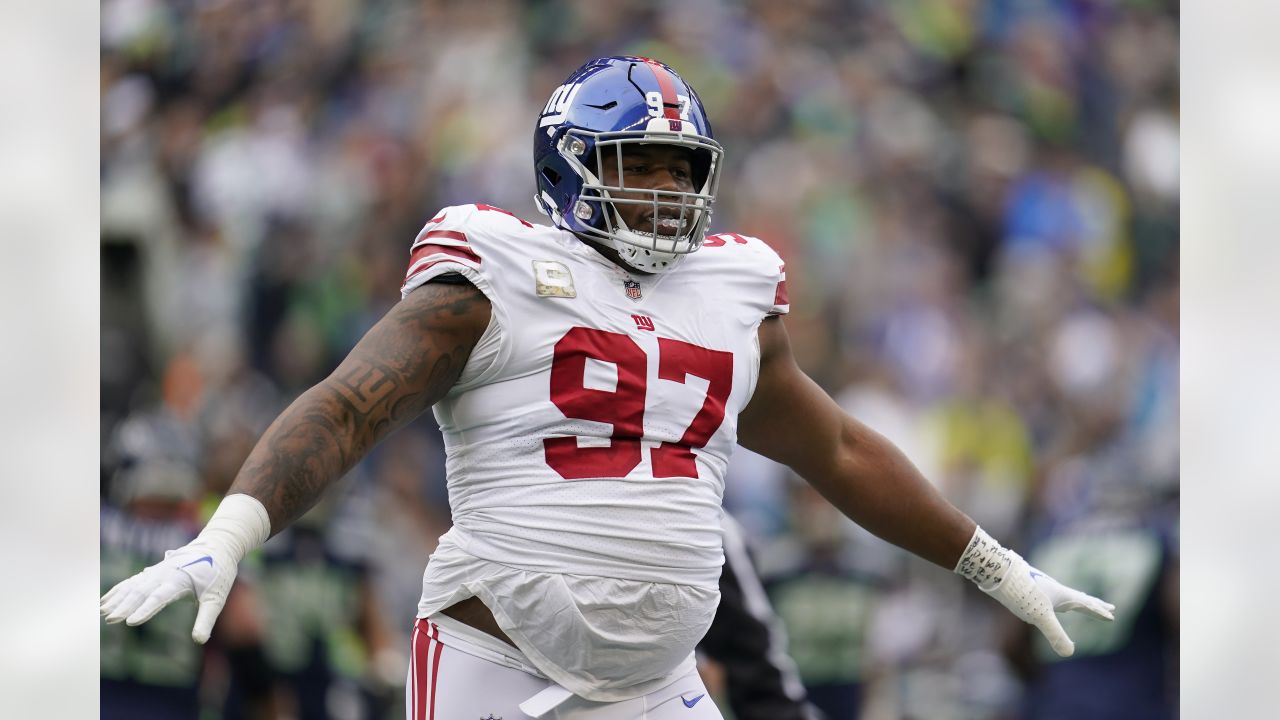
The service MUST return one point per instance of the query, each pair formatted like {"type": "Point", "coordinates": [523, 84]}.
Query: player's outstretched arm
{"type": "Point", "coordinates": [401, 367]}
{"type": "Point", "coordinates": [791, 420]}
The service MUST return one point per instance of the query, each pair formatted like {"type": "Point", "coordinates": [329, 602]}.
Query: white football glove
{"type": "Point", "coordinates": [205, 567]}
{"type": "Point", "coordinates": [1028, 593]}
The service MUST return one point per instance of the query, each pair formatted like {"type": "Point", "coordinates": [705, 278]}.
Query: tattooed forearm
{"type": "Point", "coordinates": [406, 363]}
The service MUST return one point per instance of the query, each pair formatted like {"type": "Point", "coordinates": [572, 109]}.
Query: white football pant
{"type": "Point", "coordinates": [453, 679]}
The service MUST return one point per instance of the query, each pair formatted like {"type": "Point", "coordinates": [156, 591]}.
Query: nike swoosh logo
{"type": "Point", "coordinates": [691, 703]}
{"type": "Point", "coordinates": [205, 558]}
{"type": "Point", "coordinates": [1035, 574]}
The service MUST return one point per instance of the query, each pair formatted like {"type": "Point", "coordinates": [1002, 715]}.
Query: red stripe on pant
{"type": "Point", "coordinates": [416, 709]}
{"type": "Point", "coordinates": [427, 650]}
{"type": "Point", "coordinates": [435, 667]}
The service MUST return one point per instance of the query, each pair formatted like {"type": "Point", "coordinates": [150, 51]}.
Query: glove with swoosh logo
{"type": "Point", "coordinates": [1028, 593]}
{"type": "Point", "coordinates": [205, 568]}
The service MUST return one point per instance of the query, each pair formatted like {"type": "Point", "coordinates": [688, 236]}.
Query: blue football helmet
{"type": "Point", "coordinates": [602, 107]}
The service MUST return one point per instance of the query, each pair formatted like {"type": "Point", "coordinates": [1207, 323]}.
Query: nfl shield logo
{"type": "Point", "coordinates": [633, 289]}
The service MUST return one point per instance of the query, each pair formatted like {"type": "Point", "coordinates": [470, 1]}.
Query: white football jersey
{"type": "Point", "coordinates": [591, 427]}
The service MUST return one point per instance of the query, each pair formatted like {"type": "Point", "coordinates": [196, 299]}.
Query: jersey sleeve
{"type": "Point", "coordinates": [781, 302]}
{"type": "Point", "coordinates": [774, 281]}
{"type": "Point", "coordinates": [454, 242]}
{"type": "Point", "coordinates": [442, 247]}
{"type": "Point", "coordinates": [762, 265]}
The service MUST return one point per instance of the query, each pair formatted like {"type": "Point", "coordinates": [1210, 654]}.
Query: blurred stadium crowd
{"type": "Point", "coordinates": [978, 204]}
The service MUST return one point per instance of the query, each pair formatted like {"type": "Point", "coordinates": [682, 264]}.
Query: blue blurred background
{"type": "Point", "coordinates": [978, 205]}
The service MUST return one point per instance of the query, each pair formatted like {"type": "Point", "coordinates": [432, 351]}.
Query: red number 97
{"type": "Point", "coordinates": [623, 407]}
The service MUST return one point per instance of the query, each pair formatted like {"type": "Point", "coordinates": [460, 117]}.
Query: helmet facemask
{"type": "Point", "coordinates": [679, 219]}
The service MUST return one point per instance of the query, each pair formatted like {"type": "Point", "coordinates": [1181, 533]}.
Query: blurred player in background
{"type": "Point", "coordinates": [591, 380]}
{"type": "Point", "coordinates": [324, 635]}
{"type": "Point", "coordinates": [748, 641]}
{"type": "Point", "coordinates": [827, 587]}
{"type": "Point", "coordinates": [1118, 539]}
{"type": "Point", "coordinates": [155, 673]}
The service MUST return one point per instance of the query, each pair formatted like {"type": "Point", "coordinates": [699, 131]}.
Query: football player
{"type": "Point", "coordinates": [590, 378]}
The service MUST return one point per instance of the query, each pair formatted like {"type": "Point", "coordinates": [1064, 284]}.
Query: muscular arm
{"type": "Point", "coordinates": [405, 363]}
{"type": "Point", "coordinates": [791, 420]}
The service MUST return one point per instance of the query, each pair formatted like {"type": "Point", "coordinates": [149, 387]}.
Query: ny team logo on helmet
{"type": "Point", "coordinates": [604, 106]}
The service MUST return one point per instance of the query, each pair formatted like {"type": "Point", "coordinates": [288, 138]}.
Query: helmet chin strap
{"type": "Point", "coordinates": [643, 259]}
{"type": "Point", "coordinates": [650, 261]}
{"type": "Point", "coordinates": [639, 259]}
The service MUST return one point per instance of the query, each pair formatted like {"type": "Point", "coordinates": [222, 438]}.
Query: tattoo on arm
{"type": "Point", "coordinates": [405, 364]}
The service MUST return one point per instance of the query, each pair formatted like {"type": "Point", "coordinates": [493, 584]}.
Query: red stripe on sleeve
{"type": "Point", "coordinates": [421, 269]}
{"type": "Point", "coordinates": [423, 251]}
{"type": "Point", "coordinates": [670, 103]}
{"type": "Point", "coordinates": [780, 294]}
{"type": "Point", "coordinates": [447, 234]}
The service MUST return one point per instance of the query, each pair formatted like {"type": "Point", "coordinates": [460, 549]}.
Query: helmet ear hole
{"type": "Point", "coordinates": [551, 175]}
{"type": "Point", "coordinates": [701, 162]}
